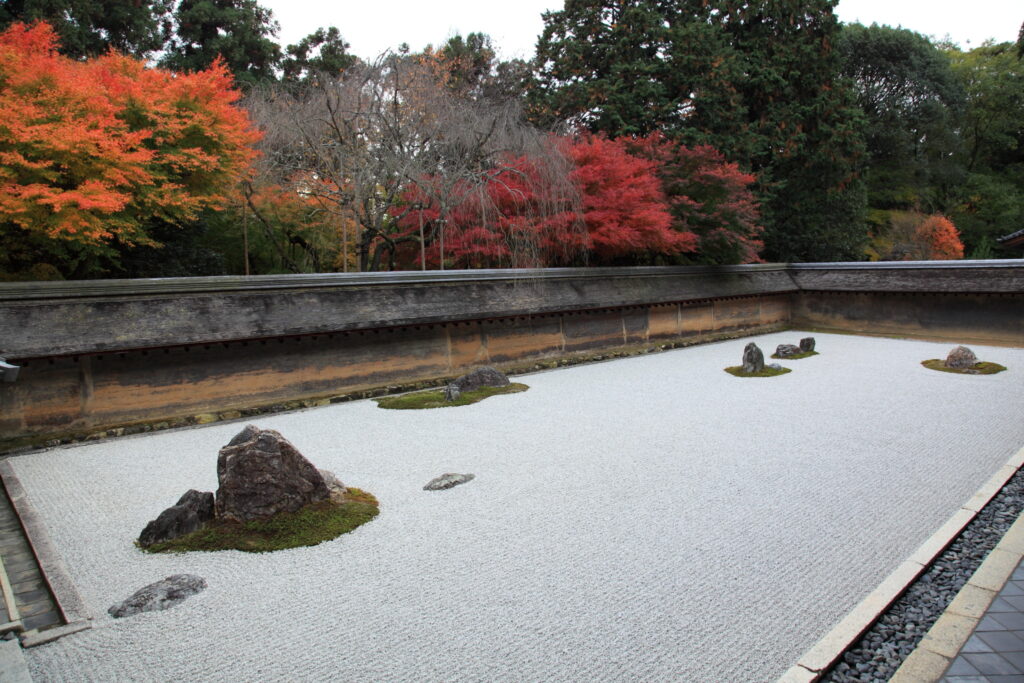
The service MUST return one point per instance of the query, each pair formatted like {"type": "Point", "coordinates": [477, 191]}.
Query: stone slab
{"type": "Point", "coordinates": [920, 666]}
{"type": "Point", "coordinates": [62, 588]}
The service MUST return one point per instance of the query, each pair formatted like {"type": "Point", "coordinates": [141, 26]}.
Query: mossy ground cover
{"type": "Point", "coordinates": [737, 371]}
{"type": "Point", "coordinates": [982, 368]}
{"type": "Point", "coordinates": [434, 398]}
{"type": "Point", "coordinates": [805, 354]}
{"type": "Point", "coordinates": [311, 525]}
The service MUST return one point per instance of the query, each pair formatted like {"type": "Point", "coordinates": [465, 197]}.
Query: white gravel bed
{"type": "Point", "coordinates": [651, 519]}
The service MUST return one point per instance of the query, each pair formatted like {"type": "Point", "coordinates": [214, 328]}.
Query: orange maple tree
{"type": "Point", "coordinates": [938, 239]}
{"type": "Point", "coordinates": [90, 151]}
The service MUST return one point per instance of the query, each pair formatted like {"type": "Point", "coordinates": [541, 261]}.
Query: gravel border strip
{"type": "Point", "coordinates": [874, 638]}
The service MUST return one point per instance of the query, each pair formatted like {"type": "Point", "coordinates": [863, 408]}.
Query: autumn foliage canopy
{"type": "Point", "coordinates": [91, 151]}
{"type": "Point", "coordinates": [628, 201]}
{"type": "Point", "coordinates": [939, 239]}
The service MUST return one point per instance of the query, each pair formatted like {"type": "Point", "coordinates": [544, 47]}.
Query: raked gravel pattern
{"type": "Point", "coordinates": [650, 518]}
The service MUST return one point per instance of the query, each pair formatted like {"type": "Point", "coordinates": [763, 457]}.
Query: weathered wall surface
{"type": "Point", "coordinates": [55, 318]}
{"type": "Point", "coordinates": [100, 355]}
{"type": "Point", "coordinates": [980, 302]}
{"type": "Point", "coordinates": [97, 355]}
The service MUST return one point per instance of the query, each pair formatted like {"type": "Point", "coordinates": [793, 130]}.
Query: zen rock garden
{"type": "Point", "coordinates": [269, 497]}
{"type": "Point", "coordinates": [753, 359]}
{"type": "Point", "coordinates": [961, 360]}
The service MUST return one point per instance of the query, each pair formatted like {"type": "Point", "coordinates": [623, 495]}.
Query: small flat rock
{"type": "Point", "coordinates": [159, 595]}
{"type": "Point", "coordinates": [447, 481]}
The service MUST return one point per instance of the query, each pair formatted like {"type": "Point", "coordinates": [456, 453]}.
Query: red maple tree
{"type": "Point", "coordinates": [509, 218]}
{"type": "Point", "coordinates": [612, 211]}
{"type": "Point", "coordinates": [708, 197]}
{"type": "Point", "coordinates": [624, 208]}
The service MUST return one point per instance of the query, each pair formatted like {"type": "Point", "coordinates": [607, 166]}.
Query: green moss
{"type": "Point", "coordinates": [737, 371]}
{"type": "Point", "coordinates": [311, 525]}
{"type": "Point", "coordinates": [982, 368]}
{"type": "Point", "coordinates": [435, 398]}
{"type": "Point", "coordinates": [805, 354]}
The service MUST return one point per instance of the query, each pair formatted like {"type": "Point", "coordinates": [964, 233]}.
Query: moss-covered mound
{"type": "Point", "coordinates": [983, 368]}
{"type": "Point", "coordinates": [805, 354]}
{"type": "Point", "coordinates": [311, 525]}
{"type": "Point", "coordinates": [737, 371]}
{"type": "Point", "coordinates": [434, 398]}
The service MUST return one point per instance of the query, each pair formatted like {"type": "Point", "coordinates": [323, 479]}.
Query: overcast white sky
{"type": "Point", "coordinates": [373, 27]}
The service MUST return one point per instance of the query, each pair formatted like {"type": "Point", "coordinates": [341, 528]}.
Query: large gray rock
{"type": "Point", "coordinates": [961, 358]}
{"type": "Point", "coordinates": [787, 350]}
{"type": "Point", "coordinates": [160, 595]}
{"type": "Point", "coordinates": [481, 377]}
{"type": "Point", "coordinates": [263, 475]}
{"type": "Point", "coordinates": [807, 344]}
{"type": "Point", "coordinates": [753, 359]}
{"type": "Point", "coordinates": [447, 481]}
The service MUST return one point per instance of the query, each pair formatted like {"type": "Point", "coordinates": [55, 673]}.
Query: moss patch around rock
{"type": "Point", "coordinates": [805, 354]}
{"type": "Point", "coordinates": [983, 368]}
{"type": "Point", "coordinates": [311, 525]}
{"type": "Point", "coordinates": [737, 371]}
{"type": "Point", "coordinates": [435, 398]}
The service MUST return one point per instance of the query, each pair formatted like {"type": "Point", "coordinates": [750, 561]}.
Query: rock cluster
{"type": "Point", "coordinates": [961, 358]}
{"type": "Point", "coordinates": [159, 595]}
{"type": "Point", "coordinates": [481, 377]}
{"type": "Point", "coordinates": [753, 359]}
{"type": "Point", "coordinates": [789, 350]}
{"type": "Point", "coordinates": [447, 481]}
{"type": "Point", "coordinates": [259, 474]}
